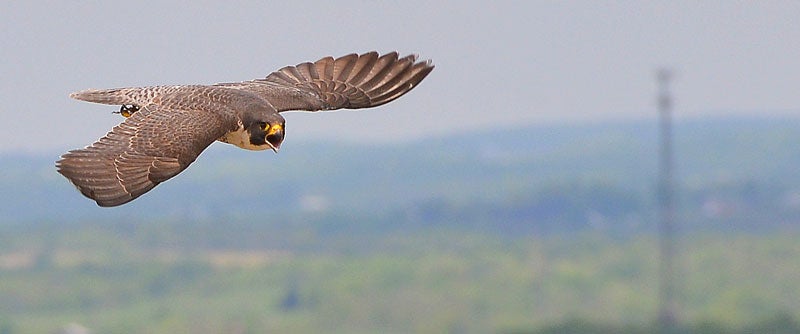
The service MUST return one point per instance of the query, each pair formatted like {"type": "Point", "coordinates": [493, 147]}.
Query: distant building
{"type": "Point", "coordinates": [73, 328]}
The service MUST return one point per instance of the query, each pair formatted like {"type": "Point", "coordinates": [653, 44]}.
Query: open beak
{"type": "Point", "coordinates": [274, 149]}
{"type": "Point", "coordinates": [275, 137]}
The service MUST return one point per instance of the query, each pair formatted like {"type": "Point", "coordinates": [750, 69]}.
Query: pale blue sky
{"type": "Point", "coordinates": [497, 63]}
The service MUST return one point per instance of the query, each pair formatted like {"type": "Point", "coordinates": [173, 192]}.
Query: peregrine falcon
{"type": "Point", "coordinates": [167, 127]}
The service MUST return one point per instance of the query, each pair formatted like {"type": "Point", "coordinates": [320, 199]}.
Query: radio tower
{"type": "Point", "coordinates": [666, 206]}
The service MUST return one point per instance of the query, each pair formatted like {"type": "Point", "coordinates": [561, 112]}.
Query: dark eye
{"type": "Point", "coordinates": [263, 125]}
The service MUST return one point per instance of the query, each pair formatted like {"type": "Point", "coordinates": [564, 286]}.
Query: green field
{"type": "Point", "coordinates": [114, 279]}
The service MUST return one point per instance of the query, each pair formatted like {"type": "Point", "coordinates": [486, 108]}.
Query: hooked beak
{"type": "Point", "coordinates": [274, 137]}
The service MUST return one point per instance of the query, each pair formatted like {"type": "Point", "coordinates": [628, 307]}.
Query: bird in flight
{"type": "Point", "coordinates": [167, 127]}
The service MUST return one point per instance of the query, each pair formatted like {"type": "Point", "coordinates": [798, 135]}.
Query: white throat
{"type": "Point", "coordinates": [241, 138]}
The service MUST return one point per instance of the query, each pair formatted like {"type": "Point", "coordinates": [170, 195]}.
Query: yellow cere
{"type": "Point", "coordinates": [274, 128]}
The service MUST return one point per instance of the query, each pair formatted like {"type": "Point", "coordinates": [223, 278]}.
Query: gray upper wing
{"type": "Point", "coordinates": [153, 145]}
{"type": "Point", "coordinates": [352, 81]}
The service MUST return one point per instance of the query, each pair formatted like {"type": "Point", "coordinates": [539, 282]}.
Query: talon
{"type": "Point", "coordinates": [126, 110]}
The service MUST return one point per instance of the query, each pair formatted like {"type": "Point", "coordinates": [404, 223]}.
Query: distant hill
{"type": "Point", "coordinates": [572, 175]}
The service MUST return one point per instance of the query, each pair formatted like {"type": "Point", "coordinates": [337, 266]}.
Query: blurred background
{"type": "Point", "coordinates": [516, 190]}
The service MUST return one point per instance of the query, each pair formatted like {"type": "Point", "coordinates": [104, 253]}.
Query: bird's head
{"type": "Point", "coordinates": [267, 133]}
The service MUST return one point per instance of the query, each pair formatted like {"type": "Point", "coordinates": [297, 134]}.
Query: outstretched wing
{"type": "Point", "coordinates": [352, 82]}
{"type": "Point", "coordinates": [153, 145]}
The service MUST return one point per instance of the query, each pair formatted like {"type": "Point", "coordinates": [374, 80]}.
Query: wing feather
{"type": "Point", "coordinates": [362, 66]}
{"type": "Point", "coordinates": [325, 68]}
{"type": "Point", "coordinates": [352, 81]}
{"type": "Point", "coordinates": [342, 67]}
{"type": "Point", "coordinates": [148, 148]}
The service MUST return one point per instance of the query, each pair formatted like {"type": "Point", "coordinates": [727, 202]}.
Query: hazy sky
{"type": "Point", "coordinates": [497, 64]}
